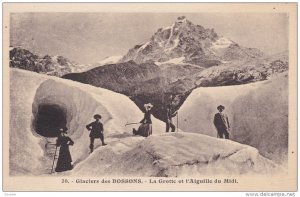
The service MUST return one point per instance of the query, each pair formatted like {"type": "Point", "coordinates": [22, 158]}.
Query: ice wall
{"type": "Point", "coordinates": [25, 152]}
{"type": "Point", "coordinates": [79, 102]}
{"type": "Point", "coordinates": [258, 114]}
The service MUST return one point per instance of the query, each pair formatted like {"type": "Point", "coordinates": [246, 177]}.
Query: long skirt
{"type": "Point", "coordinates": [64, 159]}
{"type": "Point", "coordinates": [145, 129]}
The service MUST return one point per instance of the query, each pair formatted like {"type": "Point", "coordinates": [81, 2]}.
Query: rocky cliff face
{"type": "Point", "coordinates": [143, 83]}
{"type": "Point", "coordinates": [124, 77]}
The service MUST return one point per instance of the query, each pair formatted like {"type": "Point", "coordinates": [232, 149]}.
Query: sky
{"type": "Point", "coordinates": [90, 37]}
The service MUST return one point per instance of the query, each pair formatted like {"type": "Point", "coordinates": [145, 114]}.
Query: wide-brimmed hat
{"type": "Point", "coordinates": [220, 107]}
{"type": "Point", "coordinates": [148, 106]}
{"type": "Point", "coordinates": [63, 130]}
{"type": "Point", "coordinates": [97, 116]}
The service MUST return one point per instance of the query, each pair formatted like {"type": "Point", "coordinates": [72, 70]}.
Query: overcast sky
{"type": "Point", "coordinates": [90, 37]}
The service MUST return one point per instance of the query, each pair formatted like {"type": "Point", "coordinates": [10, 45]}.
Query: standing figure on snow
{"type": "Point", "coordinates": [96, 129]}
{"type": "Point", "coordinates": [169, 117]}
{"type": "Point", "coordinates": [145, 129]}
{"type": "Point", "coordinates": [64, 159]}
{"type": "Point", "coordinates": [221, 122]}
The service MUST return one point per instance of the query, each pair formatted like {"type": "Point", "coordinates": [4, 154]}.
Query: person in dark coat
{"type": "Point", "coordinates": [169, 117]}
{"type": "Point", "coordinates": [221, 122]}
{"type": "Point", "coordinates": [145, 129]}
{"type": "Point", "coordinates": [96, 129]}
{"type": "Point", "coordinates": [64, 161]}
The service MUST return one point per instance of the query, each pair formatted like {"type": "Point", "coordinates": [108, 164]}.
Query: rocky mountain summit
{"type": "Point", "coordinates": [193, 44]}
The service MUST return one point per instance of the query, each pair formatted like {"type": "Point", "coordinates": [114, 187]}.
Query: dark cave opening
{"type": "Point", "coordinates": [49, 119]}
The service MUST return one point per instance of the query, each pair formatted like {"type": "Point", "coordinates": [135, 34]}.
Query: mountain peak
{"type": "Point", "coordinates": [183, 24]}
{"type": "Point", "coordinates": [182, 20]}
{"type": "Point", "coordinates": [184, 39]}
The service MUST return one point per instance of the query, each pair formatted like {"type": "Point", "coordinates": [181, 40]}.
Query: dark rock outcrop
{"type": "Point", "coordinates": [50, 65]}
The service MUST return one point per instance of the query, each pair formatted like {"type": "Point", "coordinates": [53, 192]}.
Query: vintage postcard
{"type": "Point", "coordinates": [150, 97]}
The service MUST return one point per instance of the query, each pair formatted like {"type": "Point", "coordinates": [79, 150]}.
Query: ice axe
{"type": "Point", "coordinates": [132, 123]}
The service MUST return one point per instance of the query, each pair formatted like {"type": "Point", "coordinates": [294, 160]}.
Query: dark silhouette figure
{"type": "Point", "coordinates": [169, 117]}
{"type": "Point", "coordinates": [64, 159]}
{"type": "Point", "coordinates": [145, 129]}
{"type": "Point", "coordinates": [221, 122]}
{"type": "Point", "coordinates": [96, 129]}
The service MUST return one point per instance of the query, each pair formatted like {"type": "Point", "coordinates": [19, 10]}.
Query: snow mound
{"type": "Point", "coordinates": [176, 155]}
{"type": "Point", "coordinates": [74, 102]}
{"type": "Point", "coordinates": [258, 113]}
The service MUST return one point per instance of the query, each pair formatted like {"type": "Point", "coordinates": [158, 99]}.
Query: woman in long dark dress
{"type": "Point", "coordinates": [64, 161]}
{"type": "Point", "coordinates": [145, 129]}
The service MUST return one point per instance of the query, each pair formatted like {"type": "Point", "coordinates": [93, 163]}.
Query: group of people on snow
{"type": "Point", "coordinates": [63, 141]}
{"type": "Point", "coordinates": [64, 161]}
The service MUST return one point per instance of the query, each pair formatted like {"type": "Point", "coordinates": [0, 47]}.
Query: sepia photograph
{"type": "Point", "coordinates": [150, 97]}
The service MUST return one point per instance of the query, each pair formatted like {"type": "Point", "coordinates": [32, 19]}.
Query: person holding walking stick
{"type": "Point", "coordinates": [169, 117]}
{"type": "Point", "coordinates": [145, 128]}
{"type": "Point", "coordinates": [64, 161]}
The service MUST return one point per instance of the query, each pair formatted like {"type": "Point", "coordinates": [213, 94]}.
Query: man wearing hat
{"type": "Point", "coordinates": [221, 122]}
{"type": "Point", "coordinates": [96, 129]}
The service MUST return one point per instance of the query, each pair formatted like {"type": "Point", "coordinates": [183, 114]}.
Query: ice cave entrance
{"type": "Point", "coordinates": [49, 119]}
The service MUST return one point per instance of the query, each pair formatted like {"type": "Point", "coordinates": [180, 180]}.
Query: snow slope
{"type": "Point", "coordinates": [110, 60]}
{"type": "Point", "coordinates": [258, 113]}
{"type": "Point", "coordinates": [105, 61]}
{"type": "Point", "coordinates": [176, 155]}
{"type": "Point", "coordinates": [29, 91]}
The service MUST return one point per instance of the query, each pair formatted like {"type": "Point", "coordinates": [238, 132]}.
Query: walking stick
{"type": "Point", "coordinates": [54, 158]}
{"type": "Point", "coordinates": [177, 121]}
